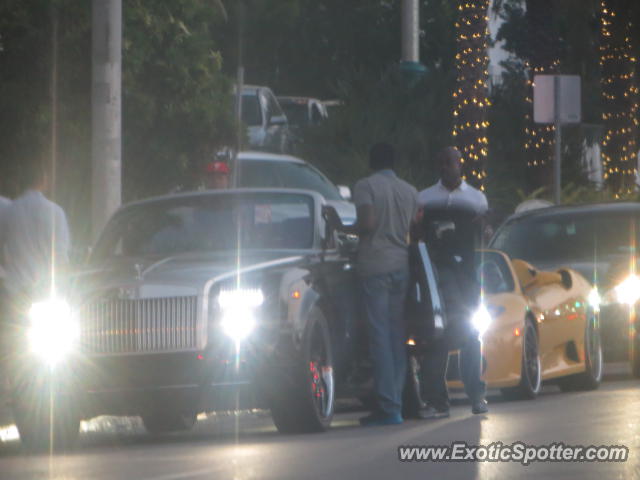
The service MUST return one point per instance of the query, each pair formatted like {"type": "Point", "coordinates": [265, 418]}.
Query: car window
{"type": "Point", "coordinates": [272, 106]}
{"type": "Point", "coordinates": [296, 113]}
{"type": "Point", "coordinates": [251, 111]}
{"type": "Point", "coordinates": [267, 174]}
{"type": "Point", "coordinates": [210, 223]}
{"type": "Point", "coordinates": [493, 273]}
{"type": "Point", "coordinates": [259, 174]}
{"type": "Point", "coordinates": [581, 237]}
{"type": "Point", "coordinates": [302, 175]}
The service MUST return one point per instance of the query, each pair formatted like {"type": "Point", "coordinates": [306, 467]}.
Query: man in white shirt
{"type": "Point", "coordinates": [35, 238]}
{"type": "Point", "coordinates": [460, 294]}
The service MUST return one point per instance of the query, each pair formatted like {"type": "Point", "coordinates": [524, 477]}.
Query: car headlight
{"type": "Point", "coordinates": [628, 291]}
{"type": "Point", "coordinates": [481, 319]}
{"type": "Point", "coordinates": [238, 311]}
{"type": "Point", "coordinates": [53, 331]}
{"type": "Point", "coordinates": [594, 299]}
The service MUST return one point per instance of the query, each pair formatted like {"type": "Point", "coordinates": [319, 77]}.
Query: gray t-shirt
{"type": "Point", "coordinates": [395, 205]}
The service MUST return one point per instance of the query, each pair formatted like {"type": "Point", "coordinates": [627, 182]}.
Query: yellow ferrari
{"type": "Point", "coordinates": [536, 326]}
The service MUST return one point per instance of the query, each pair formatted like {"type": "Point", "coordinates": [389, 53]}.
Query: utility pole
{"type": "Point", "coordinates": [240, 128]}
{"type": "Point", "coordinates": [106, 111]}
{"type": "Point", "coordinates": [410, 63]}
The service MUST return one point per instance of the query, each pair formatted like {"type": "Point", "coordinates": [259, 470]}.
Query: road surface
{"type": "Point", "coordinates": [246, 446]}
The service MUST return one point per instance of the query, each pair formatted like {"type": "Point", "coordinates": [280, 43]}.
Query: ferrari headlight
{"type": "Point", "coordinates": [481, 319]}
{"type": "Point", "coordinates": [628, 291]}
{"type": "Point", "coordinates": [594, 299]}
{"type": "Point", "coordinates": [53, 331]}
{"type": "Point", "coordinates": [238, 311]}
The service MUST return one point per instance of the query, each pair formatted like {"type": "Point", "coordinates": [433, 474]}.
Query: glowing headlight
{"type": "Point", "coordinates": [594, 299]}
{"type": "Point", "coordinates": [481, 319]}
{"type": "Point", "coordinates": [238, 311]}
{"type": "Point", "coordinates": [629, 290]}
{"type": "Point", "coordinates": [53, 332]}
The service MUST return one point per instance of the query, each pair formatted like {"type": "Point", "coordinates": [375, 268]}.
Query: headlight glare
{"type": "Point", "coordinates": [628, 291]}
{"type": "Point", "coordinates": [53, 331]}
{"type": "Point", "coordinates": [481, 319]}
{"type": "Point", "coordinates": [238, 311]}
{"type": "Point", "coordinates": [594, 299]}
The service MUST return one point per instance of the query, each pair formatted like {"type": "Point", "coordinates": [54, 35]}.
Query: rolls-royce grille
{"type": "Point", "coordinates": [139, 325]}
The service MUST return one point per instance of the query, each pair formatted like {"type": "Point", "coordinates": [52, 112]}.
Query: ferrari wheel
{"type": "Point", "coordinates": [590, 379]}
{"type": "Point", "coordinates": [412, 401]}
{"type": "Point", "coordinates": [531, 375]}
{"type": "Point", "coordinates": [303, 400]}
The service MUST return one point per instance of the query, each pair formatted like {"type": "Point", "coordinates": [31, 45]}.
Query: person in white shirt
{"type": "Point", "coordinates": [459, 291]}
{"type": "Point", "coordinates": [35, 237]}
{"type": "Point", "coordinates": [451, 190]}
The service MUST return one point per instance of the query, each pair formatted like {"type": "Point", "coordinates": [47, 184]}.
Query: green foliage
{"type": "Point", "coordinates": [177, 105]}
{"type": "Point", "coordinates": [413, 119]}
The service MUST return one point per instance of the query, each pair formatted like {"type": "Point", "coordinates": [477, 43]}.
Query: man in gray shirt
{"type": "Point", "coordinates": [386, 207]}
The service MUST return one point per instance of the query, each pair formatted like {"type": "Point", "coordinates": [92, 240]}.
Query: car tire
{"type": "Point", "coordinates": [412, 400]}
{"type": "Point", "coordinates": [47, 421]}
{"type": "Point", "coordinates": [159, 423]}
{"type": "Point", "coordinates": [590, 379]}
{"type": "Point", "coordinates": [302, 401]}
{"type": "Point", "coordinates": [531, 374]}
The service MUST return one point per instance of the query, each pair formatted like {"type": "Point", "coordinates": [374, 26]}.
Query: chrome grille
{"type": "Point", "coordinates": [140, 325]}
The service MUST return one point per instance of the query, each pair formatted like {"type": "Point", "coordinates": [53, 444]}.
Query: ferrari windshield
{"type": "Point", "coordinates": [210, 223]}
{"type": "Point", "coordinates": [576, 237]}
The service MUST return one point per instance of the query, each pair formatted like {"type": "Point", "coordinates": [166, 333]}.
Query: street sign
{"type": "Point", "coordinates": [568, 101]}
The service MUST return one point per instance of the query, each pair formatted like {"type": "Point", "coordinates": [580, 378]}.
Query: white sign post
{"type": "Point", "coordinates": [557, 100]}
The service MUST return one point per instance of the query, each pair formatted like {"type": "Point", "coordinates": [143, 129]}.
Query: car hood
{"type": "Point", "coordinates": [181, 275]}
{"type": "Point", "coordinates": [606, 272]}
{"type": "Point", "coordinates": [346, 210]}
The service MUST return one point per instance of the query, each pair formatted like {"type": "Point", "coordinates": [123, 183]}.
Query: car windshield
{"type": "Point", "coordinates": [251, 114]}
{"type": "Point", "coordinates": [210, 223]}
{"type": "Point", "coordinates": [568, 237]}
{"type": "Point", "coordinates": [265, 173]}
{"type": "Point", "coordinates": [493, 273]}
{"type": "Point", "coordinates": [297, 113]}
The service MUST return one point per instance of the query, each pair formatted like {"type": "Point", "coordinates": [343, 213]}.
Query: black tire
{"type": "Point", "coordinates": [302, 400]}
{"type": "Point", "coordinates": [46, 422]}
{"type": "Point", "coordinates": [159, 423]}
{"type": "Point", "coordinates": [531, 374]}
{"type": "Point", "coordinates": [412, 401]}
{"type": "Point", "coordinates": [590, 379]}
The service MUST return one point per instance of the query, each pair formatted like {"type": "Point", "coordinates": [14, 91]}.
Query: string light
{"type": "Point", "coordinates": [471, 95]}
{"type": "Point", "coordinates": [620, 101]}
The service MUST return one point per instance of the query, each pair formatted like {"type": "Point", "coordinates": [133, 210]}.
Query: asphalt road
{"type": "Point", "coordinates": [246, 446]}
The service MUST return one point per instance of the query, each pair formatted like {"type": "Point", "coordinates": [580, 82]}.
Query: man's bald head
{"type": "Point", "coordinates": [449, 161]}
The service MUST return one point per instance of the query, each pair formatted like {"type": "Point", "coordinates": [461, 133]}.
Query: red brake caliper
{"type": "Point", "coordinates": [318, 392]}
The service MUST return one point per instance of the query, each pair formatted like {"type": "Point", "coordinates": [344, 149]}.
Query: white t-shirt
{"type": "Point", "coordinates": [35, 236]}
{"type": "Point", "coordinates": [463, 197]}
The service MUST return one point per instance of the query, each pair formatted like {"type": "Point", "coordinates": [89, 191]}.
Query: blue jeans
{"type": "Point", "coordinates": [384, 299]}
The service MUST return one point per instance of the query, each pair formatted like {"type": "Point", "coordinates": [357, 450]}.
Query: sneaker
{"type": "Point", "coordinates": [479, 406]}
{"type": "Point", "coordinates": [432, 413]}
{"type": "Point", "coordinates": [379, 419]}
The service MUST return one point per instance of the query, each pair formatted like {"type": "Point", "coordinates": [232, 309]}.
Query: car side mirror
{"type": "Point", "coordinates": [347, 243]}
{"type": "Point", "coordinates": [345, 192]}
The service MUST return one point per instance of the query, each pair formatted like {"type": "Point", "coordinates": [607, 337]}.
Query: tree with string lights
{"type": "Point", "coordinates": [470, 93]}
{"type": "Point", "coordinates": [619, 95]}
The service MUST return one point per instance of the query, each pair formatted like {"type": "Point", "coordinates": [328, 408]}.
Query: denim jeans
{"type": "Point", "coordinates": [461, 299]}
{"type": "Point", "coordinates": [384, 297]}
